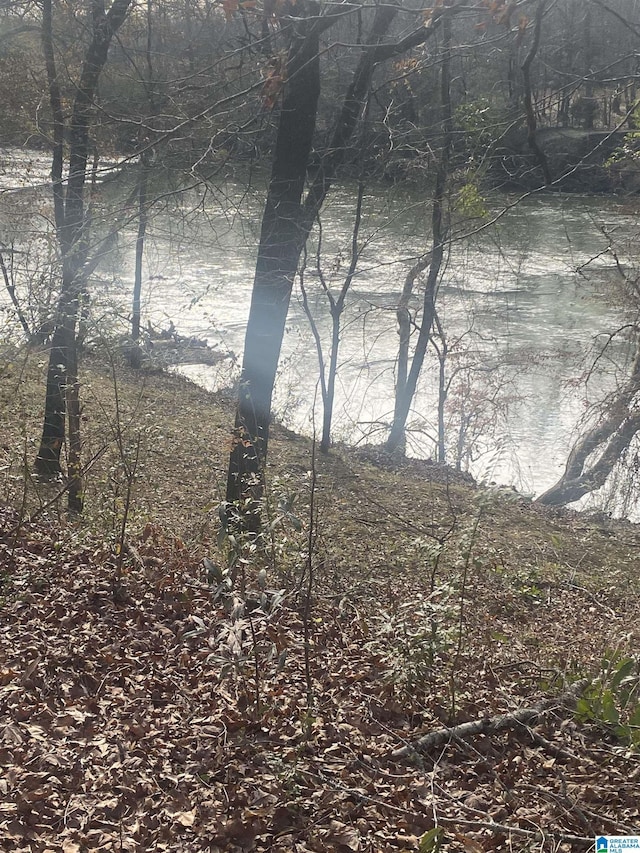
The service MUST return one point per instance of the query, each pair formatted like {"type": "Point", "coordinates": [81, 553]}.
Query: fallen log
{"type": "Point", "coordinates": [489, 725]}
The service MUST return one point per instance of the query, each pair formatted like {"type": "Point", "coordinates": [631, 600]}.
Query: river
{"type": "Point", "coordinates": [524, 305]}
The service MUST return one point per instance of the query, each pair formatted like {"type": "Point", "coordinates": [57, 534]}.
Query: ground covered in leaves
{"type": "Point", "coordinates": [148, 704]}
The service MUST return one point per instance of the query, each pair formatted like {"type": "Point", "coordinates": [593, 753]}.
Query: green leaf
{"type": "Point", "coordinates": [609, 711]}
{"type": "Point", "coordinates": [295, 521]}
{"type": "Point", "coordinates": [583, 709]}
{"type": "Point", "coordinates": [432, 841]}
{"type": "Point", "coordinates": [624, 669]}
{"type": "Point", "coordinates": [634, 719]}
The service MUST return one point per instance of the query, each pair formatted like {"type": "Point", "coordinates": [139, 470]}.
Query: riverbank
{"type": "Point", "coordinates": [145, 706]}
{"type": "Point", "coordinates": [511, 293]}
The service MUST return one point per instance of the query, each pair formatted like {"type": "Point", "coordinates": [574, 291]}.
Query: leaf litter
{"type": "Point", "coordinates": [142, 710]}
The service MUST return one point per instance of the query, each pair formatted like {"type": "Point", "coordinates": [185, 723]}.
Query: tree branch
{"type": "Point", "coordinates": [488, 725]}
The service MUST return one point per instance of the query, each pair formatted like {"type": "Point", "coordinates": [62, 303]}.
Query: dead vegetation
{"type": "Point", "coordinates": [148, 705]}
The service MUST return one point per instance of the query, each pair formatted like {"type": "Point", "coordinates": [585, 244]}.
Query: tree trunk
{"type": "Point", "coordinates": [405, 390]}
{"type": "Point", "coordinates": [532, 124]}
{"type": "Point", "coordinates": [142, 230]}
{"type": "Point", "coordinates": [282, 237]}
{"type": "Point", "coordinates": [571, 488]}
{"type": "Point", "coordinates": [74, 462]}
{"type": "Point", "coordinates": [611, 437]}
{"type": "Point", "coordinates": [403, 316]}
{"type": "Point", "coordinates": [443, 353]}
{"type": "Point", "coordinates": [143, 215]}
{"type": "Point", "coordinates": [286, 226]}
{"type": "Point", "coordinates": [337, 309]}
{"type": "Point", "coordinates": [69, 212]}
{"type": "Point", "coordinates": [588, 101]}
{"type": "Point", "coordinates": [146, 158]}
{"type": "Point", "coordinates": [63, 350]}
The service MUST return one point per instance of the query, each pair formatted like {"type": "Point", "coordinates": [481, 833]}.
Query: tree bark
{"type": "Point", "coordinates": [406, 389]}
{"type": "Point", "coordinates": [286, 226]}
{"type": "Point", "coordinates": [403, 316]}
{"type": "Point", "coordinates": [532, 125]}
{"type": "Point", "coordinates": [69, 213]}
{"type": "Point", "coordinates": [612, 436]}
{"type": "Point", "coordinates": [489, 725]}
{"type": "Point", "coordinates": [282, 238]}
{"type": "Point", "coordinates": [143, 216]}
{"type": "Point", "coordinates": [74, 463]}
{"type": "Point", "coordinates": [336, 310]}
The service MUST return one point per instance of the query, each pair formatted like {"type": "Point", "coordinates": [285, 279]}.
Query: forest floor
{"type": "Point", "coordinates": [146, 706]}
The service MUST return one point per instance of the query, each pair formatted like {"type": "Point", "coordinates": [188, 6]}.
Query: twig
{"type": "Point", "coordinates": [359, 795]}
{"type": "Point", "coordinates": [539, 835]}
{"type": "Point", "coordinates": [583, 813]}
{"type": "Point", "coordinates": [488, 725]}
{"type": "Point", "coordinates": [306, 613]}
{"type": "Point", "coordinates": [554, 749]}
{"type": "Point", "coordinates": [256, 666]}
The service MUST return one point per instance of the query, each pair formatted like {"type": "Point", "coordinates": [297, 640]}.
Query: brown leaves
{"type": "Point", "coordinates": [500, 13]}
{"type": "Point", "coordinates": [275, 77]}
{"type": "Point", "coordinates": [230, 7]}
{"type": "Point", "coordinates": [132, 723]}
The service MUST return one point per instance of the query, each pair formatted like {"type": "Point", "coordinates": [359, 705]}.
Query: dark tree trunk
{"type": "Point", "coordinates": [589, 100]}
{"type": "Point", "coordinates": [578, 481]}
{"type": "Point", "coordinates": [532, 124]}
{"type": "Point", "coordinates": [69, 211]}
{"type": "Point", "coordinates": [596, 453]}
{"type": "Point", "coordinates": [282, 238]}
{"type": "Point", "coordinates": [63, 350]}
{"type": "Point", "coordinates": [74, 462]}
{"type": "Point", "coordinates": [286, 226]}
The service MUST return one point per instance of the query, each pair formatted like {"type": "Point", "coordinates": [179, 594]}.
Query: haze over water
{"type": "Point", "coordinates": [523, 304]}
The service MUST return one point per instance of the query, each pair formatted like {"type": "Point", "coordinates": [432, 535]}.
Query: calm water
{"type": "Point", "coordinates": [521, 311]}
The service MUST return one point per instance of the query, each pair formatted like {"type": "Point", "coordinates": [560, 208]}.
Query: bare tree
{"type": "Point", "coordinates": [596, 453]}
{"type": "Point", "coordinates": [71, 230]}
{"type": "Point", "coordinates": [406, 381]}
{"type": "Point", "coordinates": [329, 372]}
{"type": "Point", "coordinates": [287, 221]}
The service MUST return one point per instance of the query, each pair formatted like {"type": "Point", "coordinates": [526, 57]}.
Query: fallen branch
{"type": "Point", "coordinates": [504, 829]}
{"type": "Point", "coordinates": [488, 725]}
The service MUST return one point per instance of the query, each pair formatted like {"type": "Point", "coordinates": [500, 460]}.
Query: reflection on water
{"type": "Point", "coordinates": [520, 309]}
{"type": "Point", "coordinates": [511, 302]}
